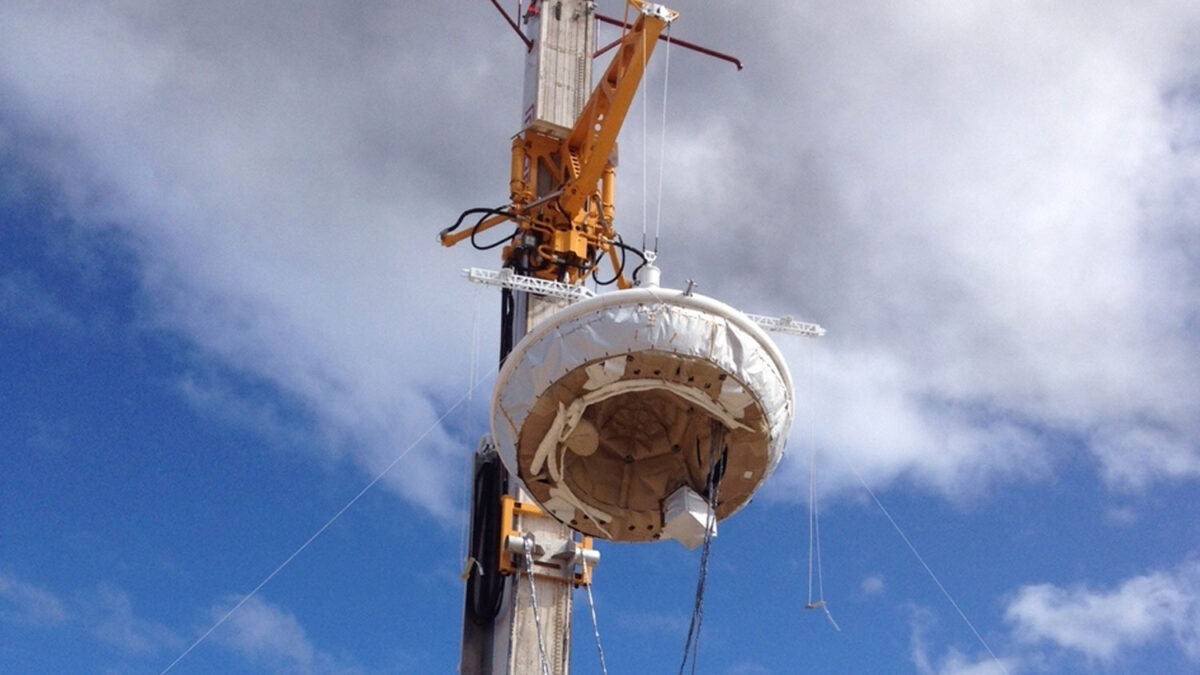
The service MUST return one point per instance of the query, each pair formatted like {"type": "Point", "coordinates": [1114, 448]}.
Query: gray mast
{"type": "Point", "coordinates": [558, 75]}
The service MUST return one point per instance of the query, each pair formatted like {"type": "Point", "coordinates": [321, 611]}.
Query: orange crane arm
{"type": "Point", "coordinates": [563, 182]}
{"type": "Point", "coordinates": [591, 142]}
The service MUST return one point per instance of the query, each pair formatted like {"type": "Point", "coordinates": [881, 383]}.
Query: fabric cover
{"type": "Point", "coordinates": [609, 406]}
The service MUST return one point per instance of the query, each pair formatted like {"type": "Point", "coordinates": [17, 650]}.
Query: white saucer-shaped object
{"type": "Point", "coordinates": [612, 404]}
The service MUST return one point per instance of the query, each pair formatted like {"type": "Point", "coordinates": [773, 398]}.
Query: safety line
{"type": "Point", "coordinates": [318, 533]}
{"type": "Point", "coordinates": [928, 570]}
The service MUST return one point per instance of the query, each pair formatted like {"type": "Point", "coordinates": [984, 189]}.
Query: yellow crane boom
{"type": "Point", "coordinates": [563, 185]}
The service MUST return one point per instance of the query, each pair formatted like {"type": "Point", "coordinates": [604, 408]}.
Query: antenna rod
{"type": "Point", "coordinates": [673, 40]}
{"type": "Point", "coordinates": [517, 29]}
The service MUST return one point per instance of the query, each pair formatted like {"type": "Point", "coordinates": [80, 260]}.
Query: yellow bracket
{"type": "Point", "coordinates": [510, 508]}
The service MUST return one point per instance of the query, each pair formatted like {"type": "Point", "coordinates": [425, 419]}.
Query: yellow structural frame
{"type": "Point", "coordinates": [510, 508]}
{"type": "Point", "coordinates": [563, 187]}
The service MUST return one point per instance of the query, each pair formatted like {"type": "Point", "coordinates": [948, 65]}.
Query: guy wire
{"type": "Point", "coordinates": [928, 570]}
{"type": "Point", "coordinates": [318, 533]}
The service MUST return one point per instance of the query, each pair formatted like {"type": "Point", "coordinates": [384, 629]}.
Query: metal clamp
{"type": "Point", "coordinates": [568, 561]}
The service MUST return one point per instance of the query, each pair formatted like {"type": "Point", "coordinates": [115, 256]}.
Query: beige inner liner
{"type": "Point", "coordinates": [632, 450]}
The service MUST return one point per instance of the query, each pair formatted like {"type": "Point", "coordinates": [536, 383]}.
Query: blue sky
{"type": "Point", "coordinates": [222, 313]}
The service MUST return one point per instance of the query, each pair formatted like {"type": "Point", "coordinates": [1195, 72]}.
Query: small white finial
{"type": "Point", "coordinates": [649, 274]}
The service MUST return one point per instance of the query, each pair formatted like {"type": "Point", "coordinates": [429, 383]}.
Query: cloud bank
{"type": "Point", "coordinates": [1054, 628]}
{"type": "Point", "coordinates": [1101, 624]}
{"type": "Point", "coordinates": [268, 635]}
{"type": "Point", "coordinates": [988, 205]}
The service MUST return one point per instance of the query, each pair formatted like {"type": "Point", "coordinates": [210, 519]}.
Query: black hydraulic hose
{"type": "Point", "coordinates": [488, 247]}
{"type": "Point", "coordinates": [475, 229]}
{"type": "Point", "coordinates": [591, 264]}
{"type": "Point", "coordinates": [485, 213]}
{"type": "Point", "coordinates": [463, 216]}
{"type": "Point", "coordinates": [485, 585]}
{"type": "Point", "coordinates": [627, 247]}
{"type": "Point", "coordinates": [507, 316]}
{"type": "Point", "coordinates": [620, 267]}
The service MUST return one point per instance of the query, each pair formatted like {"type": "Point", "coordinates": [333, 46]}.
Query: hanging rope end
{"type": "Point", "coordinates": [829, 616]}
{"type": "Point", "coordinates": [820, 604]}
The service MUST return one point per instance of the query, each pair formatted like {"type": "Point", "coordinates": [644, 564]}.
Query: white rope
{"type": "Point", "coordinates": [662, 152]}
{"type": "Point", "coordinates": [812, 521]}
{"type": "Point", "coordinates": [318, 533]}
{"type": "Point", "coordinates": [814, 518]}
{"type": "Point", "coordinates": [537, 620]}
{"type": "Point", "coordinates": [474, 365]}
{"type": "Point", "coordinates": [928, 570]}
{"type": "Point", "coordinates": [645, 146]}
{"type": "Point", "coordinates": [595, 624]}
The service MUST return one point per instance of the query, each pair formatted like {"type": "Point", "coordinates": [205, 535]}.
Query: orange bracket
{"type": "Point", "coordinates": [510, 508]}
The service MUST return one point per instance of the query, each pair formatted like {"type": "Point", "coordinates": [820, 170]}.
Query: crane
{"type": "Point", "coordinates": [563, 179]}
{"type": "Point", "coordinates": [562, 202]}
{"type": "Point", "coordinates": [596, 449]}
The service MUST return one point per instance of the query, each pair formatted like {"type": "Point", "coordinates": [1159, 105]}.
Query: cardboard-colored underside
{"type": "Point", "coordinates": [651, 443]}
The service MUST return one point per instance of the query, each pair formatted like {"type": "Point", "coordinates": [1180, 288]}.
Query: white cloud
{"type": "Point", "coordinates": [1049, 622]}
{"type": "Point", "coordinates": [213, 395]}
{"type": "Point", "coordinates": [953, 661]}
{"type": "Point", "coordinates": [981, 217]}
{"type": "Point", "coordinates": [259, 632]}
{"type": "Point", "coordinates": [271, 636]}
{"type": "Point", "coordinates": [985, 204]}
{"type": "Point", "coordinates": [663, 623]}
{"type": "Point", "coordinates": [747, 668]}
{"type": "Point", "coordinates": [1136, 457]}
{"type": "Point", "coordinates": [1101, 625]}
{"type": "Point", "coordinates": [24, 303]}
{"type": "Point", "coordinates": [1121, 516]}
{"type": "Point", "coordinates": [872, 585]}
{"type": "Point", "coordinates": [108, 615]}
{"type": "Point", "coordinates": [27, 604]}
{"type": "Point", "coordinates": [273, 190]}
{"type": "Point", "coordinates": [105, 612]}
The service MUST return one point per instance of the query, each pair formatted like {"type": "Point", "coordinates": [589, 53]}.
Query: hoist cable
{"type": "Point", "coordinates": [662, 152]}
{"type": "Point", "coordinates": [645, 144]}
{"type": "Point", "coordinates": [537, 620]}
{"type": "Point", "coordinates": [691, 645]}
